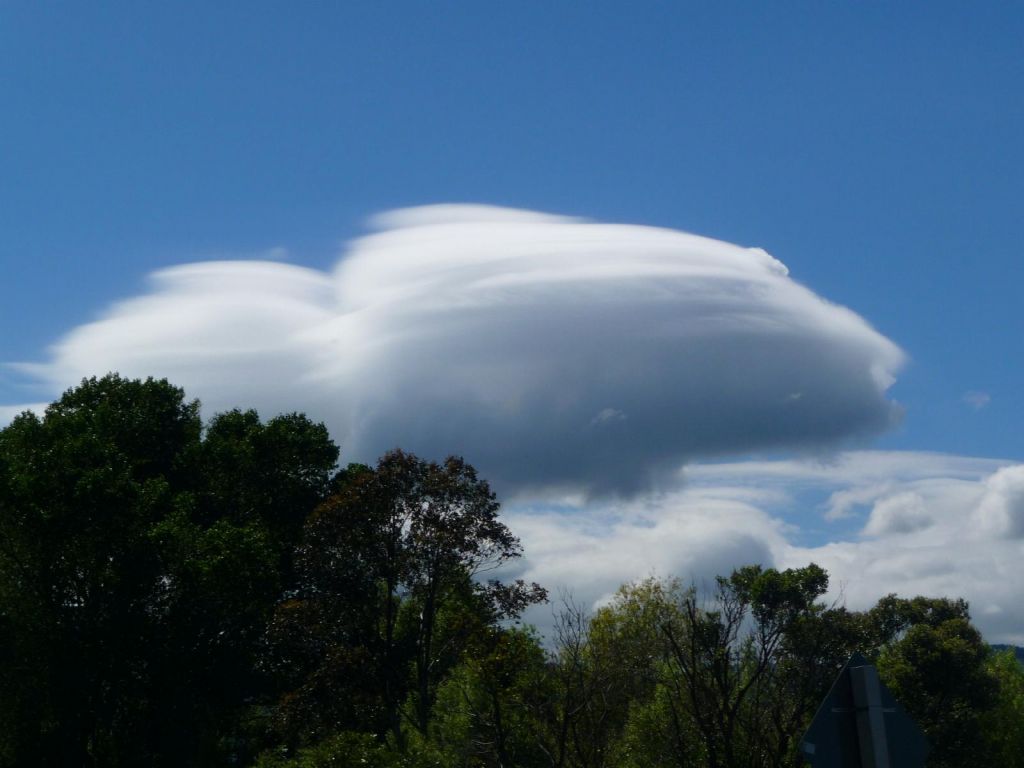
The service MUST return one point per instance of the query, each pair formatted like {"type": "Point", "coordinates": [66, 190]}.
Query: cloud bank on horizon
{"type": "Point", "coordinates": [550, 351]}
{"type": "Point", "coordinates": [915, 523]}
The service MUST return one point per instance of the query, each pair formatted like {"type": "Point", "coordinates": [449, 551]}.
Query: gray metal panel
{"type": "Point", "coordinates": [887, 737]}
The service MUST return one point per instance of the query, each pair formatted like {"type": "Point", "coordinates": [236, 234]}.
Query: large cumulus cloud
{"type": "Point", "coordinates": [550, 351]}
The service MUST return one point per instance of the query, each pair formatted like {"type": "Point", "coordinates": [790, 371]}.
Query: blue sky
{"type": "Point", "coordinates": [876, 150]}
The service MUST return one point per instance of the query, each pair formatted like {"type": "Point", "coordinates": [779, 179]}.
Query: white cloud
{"type": "Point", "coordinates": [856, 469]}
{"type": "Point", "coordinates": [592, 549]}
{"type": "Point", "coordinates": [919, 533]}
{"type": "Point", "coordinates": [568, 358]}
{"type": "Point", "coordinates": [922, 536]}
{"type": "Point", "coordinates": [505, 335]}
{"type": "Point", "coordinates": [608, 416]}
{"type": "Point", "coordinates": [977, 400]}
{"type": "Point", "coordinates": [843, 503]}
{"type": "Point", "coordinates": [1001, 510]}
{"type": "Point", "coordinates": [903, 512]}
{"type": "Point", "coordinates": [225, 330]}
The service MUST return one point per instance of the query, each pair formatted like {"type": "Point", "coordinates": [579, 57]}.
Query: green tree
{"type": "Point", "coordinates": [937, 667]}
{"type": "Point", "coordinates": [664, 675]}
{"type": "Point", "coordinates": [343, 750]}
{"type": "Point", "coordinates": [608, 666]}
{"type": "Point", "coordinates": [659, 733]}
{"type": "Point", "coordinates": [136, 573]}
{"type": "Point", "coordinates": [730, 661]}
{"type": "Point", "coordinates": [646, 721]}
{"type": "Point", "coordinates": [1002, 727]}
{"type": "Point", "coordinates": [269, 474]}
{"type": "Point", "coordinates": [389, 585]}
{"type": "Point", "coordinates": [487, 707]}
{"type": "Point", "coordinates": [84, 486]}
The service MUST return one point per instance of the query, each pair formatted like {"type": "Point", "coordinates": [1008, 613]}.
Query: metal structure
{"type": "Point", "coordinates": [861, 725]}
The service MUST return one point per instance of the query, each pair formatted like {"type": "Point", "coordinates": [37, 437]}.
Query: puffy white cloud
{"type": "Point", "coordinates": [899, 513]}
{"type": "Point", "coordinates": [944, 533]}
{"type": "Point", "coordinates": [225, 330]}
{"type": "Point", "coordinates": [552, 352]}
{"type": "Point", "coordinates": [592, 548]}
{"type": "Point", "coordinates": [918, 532]}
{"type": "Point", "coordinates": [1001, 510]}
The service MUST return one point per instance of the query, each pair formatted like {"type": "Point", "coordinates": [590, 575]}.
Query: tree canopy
{"type": "Point", "coordinates": [142, 556]}
{"type": "Point", "coordinates": [174, 593]}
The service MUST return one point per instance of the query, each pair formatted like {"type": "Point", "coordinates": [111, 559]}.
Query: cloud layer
{"type": "Point", "coordinates": [552, 352]}
{"type": "Point", "coordinates": [913, 523]}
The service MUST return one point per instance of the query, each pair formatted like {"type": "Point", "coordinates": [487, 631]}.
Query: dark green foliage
{"type": "Point", "coordinates": [1015, 650]}
{"type": "Point", "coordinates": [344, 750]}
{"type": "Point", "coordinates": [137, 570]}
{"type": "Point", "coordinates": [938, 669]}
{"type": "Point", "coordinates": [174, 595]}
{"type": "Point", "coordinates": [79, 572]}
{"type": "Point", "coordinates": [752, 665]}
{"type": "Point", "coordinates": [272, 473]}
{"type": "Point", "coordinates": [665, 676]}
{"type": "Point", "coordinates": [1003, 725]}
{"type": "Point", "coordinates": [386, 601]}
{"type": "Point", "coordinates": [488, 707]}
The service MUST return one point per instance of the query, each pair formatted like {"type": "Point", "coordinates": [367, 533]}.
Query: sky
{"type": "Point", "coordinates": [694, 285]}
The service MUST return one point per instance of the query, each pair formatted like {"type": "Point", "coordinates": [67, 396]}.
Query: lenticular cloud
{"type": "Point", "coordinates": [551, 352]}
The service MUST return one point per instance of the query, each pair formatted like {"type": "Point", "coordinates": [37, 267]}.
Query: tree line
{"type": "Point", "coordinates": [174, 593]}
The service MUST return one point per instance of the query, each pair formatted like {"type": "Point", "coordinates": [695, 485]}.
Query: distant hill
{"type": "Point", "coordinates": [999, 648]}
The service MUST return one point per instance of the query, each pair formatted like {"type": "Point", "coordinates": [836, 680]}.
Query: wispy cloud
{"type": "Point", "coordinates": [977, 399]}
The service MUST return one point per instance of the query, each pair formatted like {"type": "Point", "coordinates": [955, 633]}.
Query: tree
{"type": "Point", "coordinates": [663, 676]}
{"type": "Point", "coordinates": [487, 707]}
{"type": "Point", "coordinates": [1002, 727]}
{"type": "Point", "coordinates": [272, 474]}
{"type": "Point", "coordinates": [730, 658]}
{"type": "Point", "coordinates": [577, 732]}
{"type": "Point", "coordinates": [609, 668]}
{"type": "Point", "coordinates": [343, 750]}
{"type": "Point", "coordinates": [659, 733]}
{"type": "Point", "coordinates": [937, 667]}
{"type": "Point", "coordinates": [136, 573]}
{"type": "Point", "coordinates": [628, 638]}
{"type": "Point", "coordinates": [84, 485]}
{"type": "Point", "coordinates": [389, 580]}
